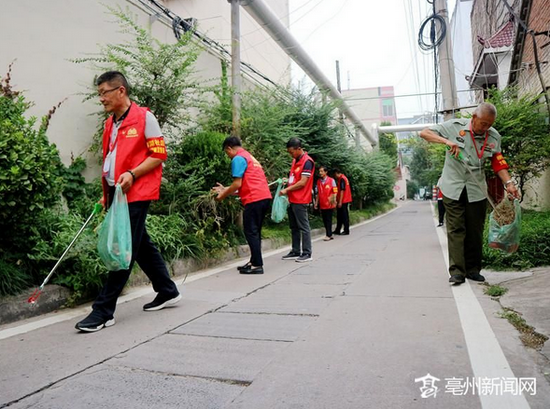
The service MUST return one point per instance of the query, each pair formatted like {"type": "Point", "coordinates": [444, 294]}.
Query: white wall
{"type": "Point", "coordinates": [43, 35]}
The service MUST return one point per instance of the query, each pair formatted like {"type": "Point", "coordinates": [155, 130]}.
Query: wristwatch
{"type": "Point", "coordinates": [508, 182]}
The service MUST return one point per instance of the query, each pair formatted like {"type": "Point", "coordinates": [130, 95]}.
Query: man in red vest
{"type": "Point", "coordinates": [326, 199]}
{"type": "Point", "coordinates": [133, 151]}
{"type": "Point", "coordinates": [344, 199]}
{"type": "Point", "coordinates": [298, 190]}
{"type": "Point", "coordinates": [250, 183]}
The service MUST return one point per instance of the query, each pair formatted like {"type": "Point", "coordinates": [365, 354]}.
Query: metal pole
{"type": "Point", "coordinates": [236, 65]}
{"type": "Point", "coordinates": [273, 26]}
{"type": "Point", "coordinates": [446, 64]}
{"type": "Point", "coordinates": [339, 88]}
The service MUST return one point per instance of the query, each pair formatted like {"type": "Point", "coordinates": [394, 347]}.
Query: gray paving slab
{"type": "Point", "coordinates": [38, 358]}
{"type": "Point", "coordinates": [106, 387]}
{"type": "Point", "coordinates": [370, 359]}
{"type": "Point", "coordinates": [301, 290]}
{"type": "Point", "coordinates": [237, 360]}
{"type": "Point", "coordinates": [282, 304]}
{"type": "Point", "coordinates": [267, 327]}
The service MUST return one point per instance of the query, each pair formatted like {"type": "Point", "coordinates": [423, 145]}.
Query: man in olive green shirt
{"type": "Point", "coordinates": [470, 143]}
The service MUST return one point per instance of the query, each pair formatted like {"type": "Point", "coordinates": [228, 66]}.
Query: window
{"type": "Point", "coordinates": [387, 107]}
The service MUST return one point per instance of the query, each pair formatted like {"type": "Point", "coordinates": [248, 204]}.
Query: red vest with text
{"type": "Point", "coordinates": [131, 151]}
{"type": "Point", "coordinates": [303, 195]}
{"type": "Point", "coordinates": [347, 192]}
{"type": "Point", "coordinates": [254, 184]}
{"type": "Point", "coordinates": [325, 189]}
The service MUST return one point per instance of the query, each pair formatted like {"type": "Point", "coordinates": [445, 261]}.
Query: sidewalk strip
{"type": "Point", "coordinates": [486, 356]}
{"type": "Point", "coordinates": [137, 292]}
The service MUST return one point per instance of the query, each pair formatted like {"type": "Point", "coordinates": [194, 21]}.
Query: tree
{"type": "Point", "coordinates": [522, 122]}
{"type": "Point", "coordinates": [388, 143]}
{"type": "Point", "coordinates": [427, 161]}
{"type": "Point", "coordinates": [161, 75]}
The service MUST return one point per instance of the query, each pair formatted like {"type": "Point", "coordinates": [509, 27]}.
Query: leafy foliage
{"type": "Point", "coordinates": [534, 245]}
{"type": "Point", "coordinates": [427, 161]}
{"type": "Point", "coordinates": [29, 168]}
{"type": "Point", "coordinates": [161, 75]}
{"type": "Point", "coordinates": [525, 133]}
{"type": "Point", "coordinates": [388, 143]}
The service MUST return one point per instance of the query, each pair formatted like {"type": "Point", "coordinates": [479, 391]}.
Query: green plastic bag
{"type": "Point", "coordinates": [115, 235]}
{"type": "Point", "coordinates": [505, 237]}
{"type": "Point", "coordinates": [280, 205]}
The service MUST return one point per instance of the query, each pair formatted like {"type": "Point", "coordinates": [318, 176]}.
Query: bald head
{"type": "Point", "coordinates": [486, 109]}
{"type": "Point", "coordinates": [483, 118]}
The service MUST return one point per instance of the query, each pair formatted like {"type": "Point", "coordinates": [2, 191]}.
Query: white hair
{"type": "Point", "coordinates": [485, 109]}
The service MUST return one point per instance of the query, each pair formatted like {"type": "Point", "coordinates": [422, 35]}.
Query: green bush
{"type": "Point", "coordinates": [29, 168]}
{"type": "Point", "coordinates": [13, 279]}
{"type": "Point", "coordinates": [534, 245]}
{"type": "Point", "coordinates": [81, 270]}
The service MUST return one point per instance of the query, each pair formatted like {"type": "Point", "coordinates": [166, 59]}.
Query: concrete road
{"type": "Point", "coordinates": [371, 323]}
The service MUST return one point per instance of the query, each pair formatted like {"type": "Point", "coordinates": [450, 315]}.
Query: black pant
{"type": "Point", "coordinates": [148, 258]}
{"type": "Point", "coordinates": [342, 218]}
{"type": "Point", "coordinates": [298, 220]}
{"type": "Point", "coordinates": [465, 223]}
{"type": "Point", "coordinates": [327, 221]}
{"type": "Point", "coordinates": [253, 217]}
{"type": "Point", "coordinates": [441, 210]}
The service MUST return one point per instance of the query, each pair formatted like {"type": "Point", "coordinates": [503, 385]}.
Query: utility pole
{"type": "Point", "coordinates": [446, 64]}
{"type": "Point", "coordinates": [339, 88]}
{"type": "Point", "coordinates": [236, 65]}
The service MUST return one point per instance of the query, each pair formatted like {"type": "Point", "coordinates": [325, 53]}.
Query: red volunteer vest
{"type": "Point", "coordinates": [347, 192]}
{"type": "Point", "coordinates": [254, 184]}
{"type": "Point", "coordinates": [131, 151]}
{"type": "Point", "coordinates": [300, 196]}
{"type": "Point", "coordinates": [325, 191]}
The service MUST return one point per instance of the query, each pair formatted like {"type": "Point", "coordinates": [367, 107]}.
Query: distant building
{"type": "Point", "coordinates": [372, 106]}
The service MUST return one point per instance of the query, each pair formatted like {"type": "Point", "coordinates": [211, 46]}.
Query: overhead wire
{"type": "Point", "coordinates": [186, 26]}
{"type": "Point", "coordinates": [435, 38]}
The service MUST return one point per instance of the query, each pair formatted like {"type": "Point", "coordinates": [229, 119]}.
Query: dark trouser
{"type": "Point", "coordinates": [327, 220]}
{"type": "Point", "coordinates": [441, 210]}
{"type": "Point", "coordinates": [342, 218]}
{"type": "Point", "coordinates": [465, 223]}
{"type": "Point", "coordinates": [147, 257]}
{"type": "Point", "coordinates": [253, 217]}
{"type": "Point", "coordinates": [299, 226]}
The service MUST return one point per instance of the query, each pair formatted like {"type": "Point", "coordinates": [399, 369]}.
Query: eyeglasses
{"type": "Point", "coordinates": [102, 94]}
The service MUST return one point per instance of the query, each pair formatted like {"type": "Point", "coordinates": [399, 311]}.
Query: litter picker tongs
{"type": "Point", "coordinates": [34, 296]}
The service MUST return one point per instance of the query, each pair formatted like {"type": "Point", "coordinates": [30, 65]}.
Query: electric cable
{"type": "Point", "coordinates": [431, 42]}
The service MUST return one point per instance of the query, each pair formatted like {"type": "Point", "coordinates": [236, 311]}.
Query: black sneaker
{"type": "Point", "coordinates": [291, 256]}
{"type": "Point", "coordinates": [252, 270]}
{"type": "Point", "coordinates": [93, 323]}
{"type": "Point", "coordinates": [245, 267]}
{"type": "Point", "coordinates": [475, 277]}
{"type": "Point", "coordinates": [457, 279]}
{"type": "Point", "coordinates": [161, 301]}
{"type": "Point", "coordinates": [304, 258]}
